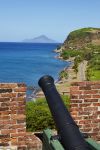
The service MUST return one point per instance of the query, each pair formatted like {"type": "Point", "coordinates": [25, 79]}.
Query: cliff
{"type": "Point", "coordinates": [81, 38]}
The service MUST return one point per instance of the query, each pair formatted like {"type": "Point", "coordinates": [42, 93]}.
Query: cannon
{"type": "Point", "coordinates": [68, 131]}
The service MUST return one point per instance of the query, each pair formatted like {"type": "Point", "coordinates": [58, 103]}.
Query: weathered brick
{"type": "Point", "coordinates": [87, 87]}
{"type": "Point", "coordinates": [22, 148]}
{"type": "Point", "coordinates": [84, 96]}
{"type": "Point", "coordinates": [4, 136]}
{"type": "Point", "coordinates": [96, 96]}
{"type": "Point", "coordinates": [76, 92]}
{"type": "Point", "coordinates": [21, 84]}
{"type": "Point", "coordinates": [13, 119]}
{"type": "Point", "coordinates": [91, 100]}
{"type": "Point", "coordinates": [7, 131]}
{"type": "Point", "coordinates": [4, 99]}
{"type": "Point", "coordinates": [84, 104]}
{"type": "Point", "coordinates": [96, 104]}
{"type": "Point", "coordinates": [89, 107]}
{"type": "Point", "coordinates": [20, 89]}
{"type": "Point", "coordinates": [8, 85]}
{"type": "Point", "coordinates": [3, 104]}
{"type": "Point", "coordinates": [90, 91]}
{"type": "Point", "coordinates": [4, 109]}
{"type": "Point", "coordinates": [74, 88]}
{"type": "Point", "coordinates": [74, 105]}
{"type": "Point", "coordinates": [9, 95]}
{"type": "Point", "coordinates": [4, 144]}
{"type": "Point", "coordinates": [96, 86]}
{"type": "Point", "coordinates": [5, 90]}
{"type": "Point", "coordinates": [14, 141]}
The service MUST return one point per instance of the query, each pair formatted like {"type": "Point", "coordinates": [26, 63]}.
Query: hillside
{"type": "Point", "coordinates": [40, 39]}
{"type": "Point", "coordinates": [81, 38]}
{"type": "Point", "coordinates": [83, 45]}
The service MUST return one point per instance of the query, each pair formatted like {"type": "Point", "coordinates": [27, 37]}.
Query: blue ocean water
{"type": "Point", "coordinates": [27, 62]}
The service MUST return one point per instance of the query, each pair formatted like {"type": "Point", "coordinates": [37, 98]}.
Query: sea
{"type": "Point", "coordinates": [27, 62]}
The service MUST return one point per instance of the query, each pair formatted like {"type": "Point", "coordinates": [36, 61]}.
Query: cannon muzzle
{"type": "Point", "coordinates": [69, 133]}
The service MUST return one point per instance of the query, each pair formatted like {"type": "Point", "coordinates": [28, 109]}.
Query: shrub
{"type": "Point", "coordinates": [63, 74]}
{"type": "Point", "coordinates": [38, 116]}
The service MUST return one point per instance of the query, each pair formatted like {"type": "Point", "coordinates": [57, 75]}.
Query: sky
{"type": "Point", "coordinates": [23, 19]}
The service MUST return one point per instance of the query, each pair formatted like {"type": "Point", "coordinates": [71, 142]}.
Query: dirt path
{"type": "Point", "coordinates": [81, 71]}
{"type": "Point", "coordinates": [64, 85]}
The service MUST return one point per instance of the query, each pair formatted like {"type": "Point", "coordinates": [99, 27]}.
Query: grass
{"type": "Point", "coordinates": [94, 75]}
{"type": "Point", "coordinates": [66, 54]}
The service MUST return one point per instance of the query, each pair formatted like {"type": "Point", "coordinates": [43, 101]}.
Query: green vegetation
{"type": "Point", "coordinates": [87, 51]}
{"type": "Point", "coordinates": [77, 54]}
{"type": "Point", "coordinates": [81, 33]}
{"type": "Point", "coordinates": [77, 60]}
{"type": "Point", "coordinates": [66, 54]}
{"type": "Point", "coordinates": [93, 70]}
{"type": "Point", "coordinates": [91, 53]}
{"type": "Point", "coordinates": [63, 74]}
{"type": "Point", "coordinates": [38, 116]}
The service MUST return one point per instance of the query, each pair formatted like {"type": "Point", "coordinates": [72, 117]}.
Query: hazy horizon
{"type": "Point", "coordinates": [27, 19]}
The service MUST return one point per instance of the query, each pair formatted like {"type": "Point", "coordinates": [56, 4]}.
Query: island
{"type": "Point", "coordinates": [40, 39]}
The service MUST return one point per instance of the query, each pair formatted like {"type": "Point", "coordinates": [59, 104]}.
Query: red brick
{"type": "Point", "coordinates": [91, 100]}
{"type": "Point", "coordinates": [91, 109]}
{"type": "Point", "coordinates": [74, 105]}
{"type": "Point", "coordinates": [86, 130]}
{"type": "Point", "coordinates": [4, 117]}
{"type": "Point", "coordinates": [76, 92]}
{"type": "Point", "coordinates": [96, 104]}
{"type": "Point", "coordinates": [2, 99]}
{"type": "Point", "coordinates": [8, 85]}
{"type": "Point", "coordinates": [7, 131]}
{"type": "Point", "coordinates": [96, 96]}
{"type": "Point", "coordinates": [75, 101]}
{"type": "Point", "coordinates": [3, 104]}
{"type": "Point", "coordinates": [22, 148]}
{"type": "Point", "coordinates": [96, 86]}
{"type": "Point", "coordinates": [14, 141]}
{"type": "Point", "coordinates": [20, 89]}
{"type": "Point", "coordinates": [74, 88]}
{"type": "Point", "coordinates": [8, 95]}
{"type": "Point", "coordinates": [20, 134]}
{"type": "Point", "coordinates": [4, 109]}
{"type": "Point", "coordinates": [74, 96]}
{"type": "Point", "coordinates": [90, 92]}
{"type": "Point", "coordinates": [96, 129]}
{"type": "Point", "coordinates": [4, 144]}
{"type": "Point", "coordinates": [84, 104]}
{"type": "Point", "coordinates": [96, 121]}
{"type": "Point", "coordinates": [84, 96]}
{"type": "Point", "coordinates": [85, 122]}
{"type": "Point", "coordinates": [87, 87]}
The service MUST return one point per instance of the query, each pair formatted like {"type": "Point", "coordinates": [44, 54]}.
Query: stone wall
{"type": "Point", "coordinates": [13, 133]}
{"type": "Point", "coordinates": [85, 107]}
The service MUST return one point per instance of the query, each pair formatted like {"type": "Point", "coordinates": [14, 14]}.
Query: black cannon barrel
{"type": "Point", "coordinates": [68, 131]}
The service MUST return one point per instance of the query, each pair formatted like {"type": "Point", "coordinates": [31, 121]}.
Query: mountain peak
{"type": "Point", "coordinates": [40, 39]}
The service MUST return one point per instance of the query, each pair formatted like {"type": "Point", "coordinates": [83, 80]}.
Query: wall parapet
{"type": "Point", "coordinates": [13, 133]}
{"type": "Point", "coordinates": [85, 107]}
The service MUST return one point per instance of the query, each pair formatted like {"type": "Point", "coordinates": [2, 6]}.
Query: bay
{"type": "Point", "coordinates": [27, 62]}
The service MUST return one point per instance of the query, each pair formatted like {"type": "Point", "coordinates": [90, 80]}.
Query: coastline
{"type": "Point", "coordinates": [62, 85]}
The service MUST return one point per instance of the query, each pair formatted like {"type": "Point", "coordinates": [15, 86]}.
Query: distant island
{"type": "Point", "coordinates": [40, 39]}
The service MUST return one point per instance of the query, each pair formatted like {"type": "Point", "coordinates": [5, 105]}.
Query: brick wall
{"type": "Point", "coordinates": [85, 107]}
{"type": "Point", "coordinates": [13, 133]}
